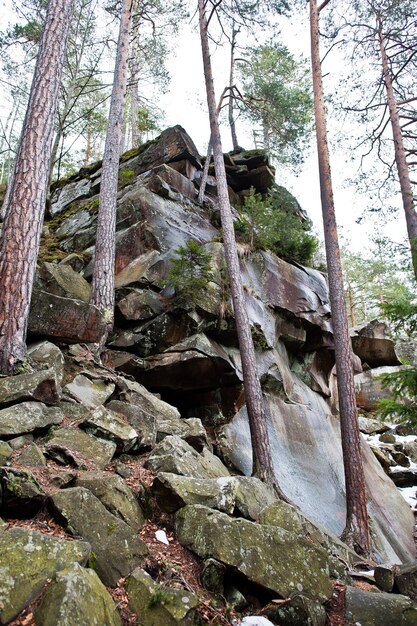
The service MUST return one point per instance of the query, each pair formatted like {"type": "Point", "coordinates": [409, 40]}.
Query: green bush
{"type": "Point", "coordinates": [277, 223]}
{"type": "Point", "coordinates": [403, 383]}
{"type": "Point", "coordinates": [190, 272]}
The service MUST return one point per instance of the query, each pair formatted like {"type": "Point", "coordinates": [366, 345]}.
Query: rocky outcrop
{"type": "Point", "coordinates": [161, 422]}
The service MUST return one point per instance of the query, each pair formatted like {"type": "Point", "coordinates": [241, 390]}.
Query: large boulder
{"type": "Point", "coordinates": [27, 560]}
{"type": "Point", "coordinates": [117, 497]}
{"type": "Point", "coordinates": [116, 547]}
{"type": "Point", "coordinates": [372, 343]}
{"type": "Point", "coordinates": [28, 417]}
{"type": "Point", "coordinates": [278, 560]}
{"type": "Point", "coordinates": [173, 492]}
{"type": "Point", "coordinates": [77, 596]}
{"type": "Point", "coordinates": [104, 423]}
{"type": "Point", "coordinates": [72, 445]}
{"type": "Point", "coordinates": [62, 280]}
{"type": "Point", "coordinates": [43, 383]}
{"type": "Point", "coordinates": [20, 493]}
{"type": "Point", "coordinates": [65, 319]}
{"type": "Point", "coordinates": [384, 609]}
{"type": "Point", "coordinates": [90, 392]}
{"type": "Point", "coordinates": [176, 456]}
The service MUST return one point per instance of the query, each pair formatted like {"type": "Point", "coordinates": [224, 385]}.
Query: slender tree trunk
{"type": "Point", "coordinates": [26, 201]}
{"type": "Point", "coordinates": [231, 84]}
{"type": "Point", "coordinates": [204, 175]}
{"type": "Point", "coordinates": [400, 156]}
{"type": "Point", "coordinates": [88, 146]}
{"type": "Point", "coordinates": [356, 532]}
{"type": "Point", "coordinates": [102, 292]}
{"type": "Point", "coordinates": [134, 82]}
{"type": "Point", "coordinates": [262, 461]}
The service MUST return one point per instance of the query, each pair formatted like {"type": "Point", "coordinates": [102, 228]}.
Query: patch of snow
{"type": "Point", "coordinates": [161, 536]}
{"type": "Point", "coordinates": [410, 496]}
{"type": "Point", "coordinates": [255, 620]}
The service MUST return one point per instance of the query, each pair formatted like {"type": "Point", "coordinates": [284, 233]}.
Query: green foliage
{"type": "Point", "coordinates": [277, 223]}
{"type": "Point", "coordinates": [159, 596]}
{"type": "Point", "coordinates": [403, 383]}
{"type": "Point", "coordinates": [190, 272]}
{"type": "Point", "coordinates": [277, 95]}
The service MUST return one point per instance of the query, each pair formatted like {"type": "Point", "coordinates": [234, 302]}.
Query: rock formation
{"type": "Point", "coordinates": [165, 411]}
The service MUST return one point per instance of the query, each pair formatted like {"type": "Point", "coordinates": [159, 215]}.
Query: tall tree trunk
{"type": "Point", "coordinates": [134, 81]}
{"type": "Point", "coordinates": [102, 291]}
{"type": "Point", "coordinates": [356, 532]}
{"type": "Point", "coordinates": [26, 201]}
{"type": "Point", "coordinates": [204, 175]}
{"type": "Point", "coordinates": [231, 85]}
{"type": "Point", "coordinates": [400, 156]}
{"type": "Point", "coordinates": [262, 461]}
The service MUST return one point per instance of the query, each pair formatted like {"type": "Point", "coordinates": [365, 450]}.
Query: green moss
{"type": "Point", "coordinates": [159, 596]}
{"type": "Point", "coordinates": [134, 152]}
{"type": "Point", "coordinates": [126, 177]}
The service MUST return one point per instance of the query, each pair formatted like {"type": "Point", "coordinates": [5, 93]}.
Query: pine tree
{"type": "Point", "coordinates": [356, 532]}
{"type": "Point", "coordinates": [28, 188]}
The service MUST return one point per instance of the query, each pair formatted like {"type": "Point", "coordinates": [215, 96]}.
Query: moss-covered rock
{"type": "Point", "coordinates": [173, 492]}
{"type": "Point", "coordinates": [142, 421]}
{"type": "Point", "coordinates": [159, 605]}
{"type": "Point", "coordinates": [20, 493]}
{"type": "Point", "coordinates": [27, 560]}
{"type": "Point", "coordinates": [72, 445]}
{"type": "Point", "coordinates": [77, 596]}
{"type": "Point", "coordinates": [27, 417]}
{"type": "Point", "coordinates": [176, 456]}
{"type": "Point", "coordinates": [6, 452]}
{"type": "Point", "coordinates": [383, 609]}
{"type": "Point", "coordinates": [116, 496]}
{"type": "Point", "coordinates": [117, 550]}
{"type": "Point", "coordinates": [276, 559]}
{"type": "Point", "coordinates": [104, 423]}
{"type": "Point", "coordinates": [32, 456]}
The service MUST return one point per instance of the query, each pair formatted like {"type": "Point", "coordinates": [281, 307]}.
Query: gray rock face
{"type": "Point", "coordinates": [191, 430]}
{"type": "Point", "coordinates": [116, 496]}
{"type": "Point", "coordinates": [72, 445]}
{"type": "Point", "coordinates": [27, 417]}
{"type": "Point", "coordinates": [77, 596]}
{"type": "Point", "coordinates": [140, 305]}
{"type": "Point", "coordinates": [116, 547]}
{"type": "Point", "coordinates": [27, 560]}
{"type": "Point", "coordinates": [304, 435]}
{"type": "Point", "coordinates": [62, 197]}
{"type": "Point", "coordinates": [175, 606]}
{"type": "Point", "coordinates": [271, 557]}
{"type": "Point", "coordinates": [176, 456]}
{"type": "Point", "coordinates": [106, 424]}
{"type": "Point", "coordinates": [91, 393]}
{"type": "Point", "coordinates": [384, 609]}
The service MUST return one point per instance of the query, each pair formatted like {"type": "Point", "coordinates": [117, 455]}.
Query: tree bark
{"type": "Point", "coordinates": [356, 532]}
{"type": "Point", "coordinates": [28, 188]}
{"type": "Point", "coordinates": [134, 82]}
{"type": "Point", "coordinates": [262, 462]}
{"type": "Point", "coordinates": [399, 151]}
{"type": "Point", "coordinates": [102, 291]}
{"type": "Point", "coordinates": [231, 83]}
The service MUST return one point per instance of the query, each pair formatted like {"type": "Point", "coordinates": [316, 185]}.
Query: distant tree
{"type": "Point", "coordinates": [26, 200]}
{"type": "Point", "coordinates": [102, 290]}
{"type": "Point", "coordinates": [262, 461]}
{"type": "Point", "coordinates": [276, 94]}
{"type": "Point", "coordinates": [356, 531]}
{"type": "Point", "coordinates": [190, 272]}
{"type": "Point", "coordinates": [380, 38]}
